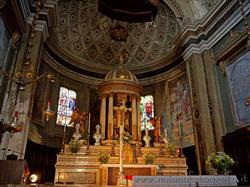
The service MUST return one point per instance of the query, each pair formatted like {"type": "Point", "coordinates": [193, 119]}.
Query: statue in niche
{"type": "Point", "coordinates": [97, 135]}
{"type": "Point", "coordinates": [146, 138]}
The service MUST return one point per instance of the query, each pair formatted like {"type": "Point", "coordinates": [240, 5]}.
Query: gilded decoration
{"type": "Point", "coordinates": [82, 33]}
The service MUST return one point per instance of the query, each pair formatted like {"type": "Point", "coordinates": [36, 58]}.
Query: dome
{"type": "Point", "coordinates": [120, 74]}
{"type": "Point", "coordinates": [120, 80]}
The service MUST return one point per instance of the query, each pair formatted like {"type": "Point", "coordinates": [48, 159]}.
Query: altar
{"type": "Point", "coordinates": [110, 172]}
{"type": "Point", "coordinates": [84, 168]}
{"type": "Point", "coordinates": [120, 117]}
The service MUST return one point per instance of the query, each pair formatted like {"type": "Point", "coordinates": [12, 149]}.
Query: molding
{"type": "Point", "coordinates": [222, 31]}
{"type": "Point", "coordinates": [69, 73]}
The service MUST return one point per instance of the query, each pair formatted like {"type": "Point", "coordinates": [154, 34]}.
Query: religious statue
{"type": "Point", "coordinates": [97, 136]}
{"type": "Point", "coordinates": [157, 126]}
{"type": "Point", "coordinates": [77, 135]}
{"type": "Point", "coordinates": [80, 118]}
{"type": "Point", "coordinates": [146, 138]}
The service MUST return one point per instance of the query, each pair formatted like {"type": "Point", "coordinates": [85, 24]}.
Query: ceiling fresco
{"type": "Point", "coordinates": [83, 34]}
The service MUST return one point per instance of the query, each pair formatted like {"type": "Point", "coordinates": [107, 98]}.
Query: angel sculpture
{"type": "Point", "coordinates": [74, 117]}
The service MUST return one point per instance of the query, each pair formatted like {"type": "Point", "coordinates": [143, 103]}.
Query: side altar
{"type": "Point", "coordinates": [120, 122]}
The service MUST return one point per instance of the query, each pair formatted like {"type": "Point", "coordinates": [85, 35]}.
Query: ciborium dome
{"type": "Point", "coordinates": [121, 74]}
{"type": "Point", "coordinates": [120, 80]}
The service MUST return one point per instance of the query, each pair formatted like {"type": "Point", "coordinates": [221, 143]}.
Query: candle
{"type": "Point", "coordinates": [89, 123]}
{"type": "Point", "coordinates": [49, 102]}
{"type": "Point", "coordinates": [180, 134]}
{"type": "Point", "coordinates": [16, 114]}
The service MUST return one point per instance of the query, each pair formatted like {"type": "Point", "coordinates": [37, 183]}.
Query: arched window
{"type": "Point", "coordinates": [147, 112]}
{"type": "Point", "coordinates": [66, 106]}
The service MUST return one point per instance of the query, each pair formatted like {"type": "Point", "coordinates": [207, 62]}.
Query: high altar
{"type": "Point", "coordinates": [120, 103]}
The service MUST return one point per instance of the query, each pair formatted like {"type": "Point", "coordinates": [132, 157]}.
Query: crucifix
{"type": "Point", "coordinates": [121, 121]}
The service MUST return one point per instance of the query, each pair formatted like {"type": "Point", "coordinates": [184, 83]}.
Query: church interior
{"type": "Point", "coordinates": [95, 91]}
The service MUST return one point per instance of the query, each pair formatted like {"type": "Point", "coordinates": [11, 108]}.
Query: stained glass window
{"type": "Point", "coordinates": [66, 106]}
{"type": "Point", "coordinates": [147, 112]}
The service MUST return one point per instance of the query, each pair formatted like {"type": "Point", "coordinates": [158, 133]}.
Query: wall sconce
{"type": "Point", "coordinates": [48, 113]}
{"type": "Point", "coordinates": [22, 79]}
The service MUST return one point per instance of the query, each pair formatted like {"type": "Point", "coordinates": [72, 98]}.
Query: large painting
{"type": "Point", "coordinates": [179, 111]}
{"type": "Point", "coordinates": [238, 74]}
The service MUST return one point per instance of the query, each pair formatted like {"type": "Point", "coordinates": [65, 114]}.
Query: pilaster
{"type": "Point", "coordinates": [203, 129]}
{"type": "Point", "coordinates": [22, 101]}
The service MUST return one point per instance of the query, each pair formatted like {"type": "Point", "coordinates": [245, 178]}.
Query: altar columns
{"type": "Point", "coordinates": [122, 89]}
{"type": "Point", "coordinates": [110, 117]}
{"type": "Point", "coordinates": [134, 119]}
{"type": "Point", "coordinates": [103, 115]}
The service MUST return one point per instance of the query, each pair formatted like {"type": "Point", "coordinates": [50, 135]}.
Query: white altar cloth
{"type": "Point", "coordinates": [185, 181]}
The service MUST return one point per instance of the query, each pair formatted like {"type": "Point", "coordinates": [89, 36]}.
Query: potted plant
{"type": "Point", "coordinates": [149, 158]}
{"type": "Point", "coordinates": [103, 157]}
{"type": "Point", "coordinates": [75, 145]}
{"type": "Point", "coordinates": [220, 161]}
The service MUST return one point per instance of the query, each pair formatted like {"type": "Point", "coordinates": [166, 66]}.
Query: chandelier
{"type": "Point", "coordinates": [129, 10]}
{"type": "Point", "coordinates": [118, 33]}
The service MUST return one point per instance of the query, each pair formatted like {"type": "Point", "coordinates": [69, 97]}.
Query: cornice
{"type": "Point", "coordinates": [69, 73]}
{"type": "Point", "coordinates": [208, 32]}
{"type": "Point", "coordinates": [95, 78]}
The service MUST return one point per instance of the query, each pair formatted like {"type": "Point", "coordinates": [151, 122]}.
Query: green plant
{"type": "Point", "coordinates": [149, 158]}
{"type": "Point", "coordinates": [220, 161]}
{"type": "Point", "coordinates": [127, 138]}
{"type": "Point", "coordinates": [171, 148]}
{"type": "Point", "coordinates": [75, 145]}
{"type": "Point", "coordinates": [103, 157]}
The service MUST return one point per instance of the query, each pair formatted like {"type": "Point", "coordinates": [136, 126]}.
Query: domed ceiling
{"type": "Point", "coordinates": [83, 35]}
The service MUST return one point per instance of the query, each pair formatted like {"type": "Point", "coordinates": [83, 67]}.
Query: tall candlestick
{"type": "Point", "coordinates": [87, 150]}
{"type": "Point", "coordinates": [89, 123]}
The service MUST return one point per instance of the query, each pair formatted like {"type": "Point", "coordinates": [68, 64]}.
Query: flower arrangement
{"type": "Point", "coordinates": [75, 145]}
{"type": "Point", "coordinates": [149, 158]}
{"type": "Point", "coordinates": [220, 161]}
{"type": "Point", "coordinates": [103, 157]}
{"type": "Point", "coordinates": [127, 138]}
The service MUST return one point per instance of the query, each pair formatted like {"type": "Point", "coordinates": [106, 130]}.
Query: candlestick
{"type": "Point", "coordinates": [87, 150]}
{"type": "Point", "coordinates": [89, 123]}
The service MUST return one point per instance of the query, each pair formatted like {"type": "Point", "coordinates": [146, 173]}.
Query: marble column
{"type": "Point", "coordinates": [103, 115]}
{"type": "Point", "coordinates": [110, 117]}
{"type": "Point", "coordinates": [134, 119]}
{"type": "Point", "coordinates": [215, 102]}
{"type": "Point", "coordinates": [138, 118]}
{"type": "Point", "coordinates": [204, 137]}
